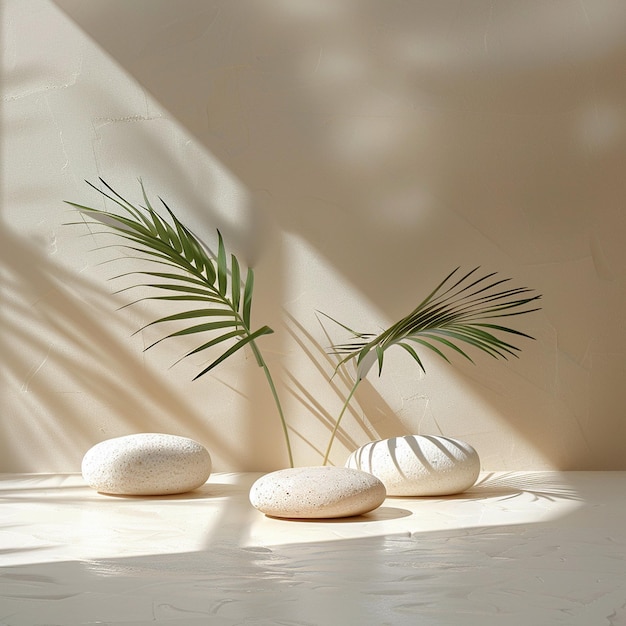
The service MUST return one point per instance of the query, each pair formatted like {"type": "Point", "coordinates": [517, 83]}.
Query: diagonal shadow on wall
{"type": "Point", "coordinates": [113, 373]}
{"type": "Point", "coordinates": [389, 146]}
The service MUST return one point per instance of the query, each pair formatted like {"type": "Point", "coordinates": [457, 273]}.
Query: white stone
{"type": "Point", "coordinates": [317, 492]}
{"type": "Point", "coordinates": [146, 464]}
{"type": "Point", "coordinates": [419, 465]}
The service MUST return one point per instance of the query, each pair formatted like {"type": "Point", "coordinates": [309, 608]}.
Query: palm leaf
{"type": "Point", "coordinates": [199, 277]}
{"type": "Point", "coordinates": [458, 311]}
{"type": "Point", "coordinates": [235, 282]}
{"type": "Point", "coordinates": [413, 354]}
{"type": "Point", "coordinates": [222, 270]}
{"type": "Point", "coordinates": [353, 332]}
{"type": "Point", "coordinates": [247, 296]}
{"type": "Point", "coordinates": [185, 315]}
{"type": "Point", "coordinates": [265, 330]}
{"type": "Point", "coordinates": [191, 273]}
{"type": "Point", "coordinates": [455, 312]}
{"type": "Point", "coordinates": [197, 328]}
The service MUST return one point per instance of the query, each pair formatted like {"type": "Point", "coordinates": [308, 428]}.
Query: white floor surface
{"type": "Point", "coordinates": [523, 548]}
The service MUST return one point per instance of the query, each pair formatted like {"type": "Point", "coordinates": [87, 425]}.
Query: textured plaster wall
{"type": "Point", "coordinates": [354, 153]}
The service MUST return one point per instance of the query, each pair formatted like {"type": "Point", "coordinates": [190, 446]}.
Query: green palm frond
{"type": "Point", "coordinates": [221, 298]}
{"type": "Point", "coordinates": [456, 315]}
{"type": "Point", "coordinates": [194, 274]}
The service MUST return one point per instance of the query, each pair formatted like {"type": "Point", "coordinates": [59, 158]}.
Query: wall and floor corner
{"type": "Point", "coordinates": [354, 153]}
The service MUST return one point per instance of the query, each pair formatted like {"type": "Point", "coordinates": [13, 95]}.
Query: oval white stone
{"type": "Point", "coordinates": [317, 492]}
{"type": "Point", "coordinates": [146, 464]}
{"type": "Point", "coordinates": [419, 465]}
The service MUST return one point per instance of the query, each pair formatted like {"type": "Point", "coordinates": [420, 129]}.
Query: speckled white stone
{"type": "Point", "coordinates": [419, 465]}
{"type": "Point", "coordinates": [146, 464]}
{"type": "Point", "coordinates": [317, 492]}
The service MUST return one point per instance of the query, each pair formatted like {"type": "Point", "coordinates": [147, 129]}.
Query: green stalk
{"type": "Point", "coordinates": [343, 410]}
{"type": "Point", "coordinates": [270, 381]}
{"type": "Point", "coordinates": [175, 246]}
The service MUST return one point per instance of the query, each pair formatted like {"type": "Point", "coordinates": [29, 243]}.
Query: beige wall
{"type": "Point", "coordinates": [354, 152]}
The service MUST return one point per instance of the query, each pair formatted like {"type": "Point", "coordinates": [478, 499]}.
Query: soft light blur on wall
{"type": "Point", "coordinates": [354, 152]}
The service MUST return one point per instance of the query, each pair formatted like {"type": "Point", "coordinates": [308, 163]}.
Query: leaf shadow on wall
{"type": "Point", "coordinates": [58, 346]}
{"type": "Point", "coordinates": [65, 332]}
{"type": "Point", "coordinates": [403, 136]}
{"type": "Point", "coordinates": [339, 383]}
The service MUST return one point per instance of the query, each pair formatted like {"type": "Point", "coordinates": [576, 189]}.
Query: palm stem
{"type": "Point", "coordinates": [283, 422]}
{"type": "Point", "coordinates": [343, 410]}
{"type": "Point", "coordinates": [461, 312]}
{"type": "Point", "coordinates": [270, 382]}
{"type": "Point", "coordinates": [204, 278]}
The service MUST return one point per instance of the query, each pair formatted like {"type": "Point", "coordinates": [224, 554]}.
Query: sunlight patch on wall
{"type": "Point", "coordinates": [481, 404]}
